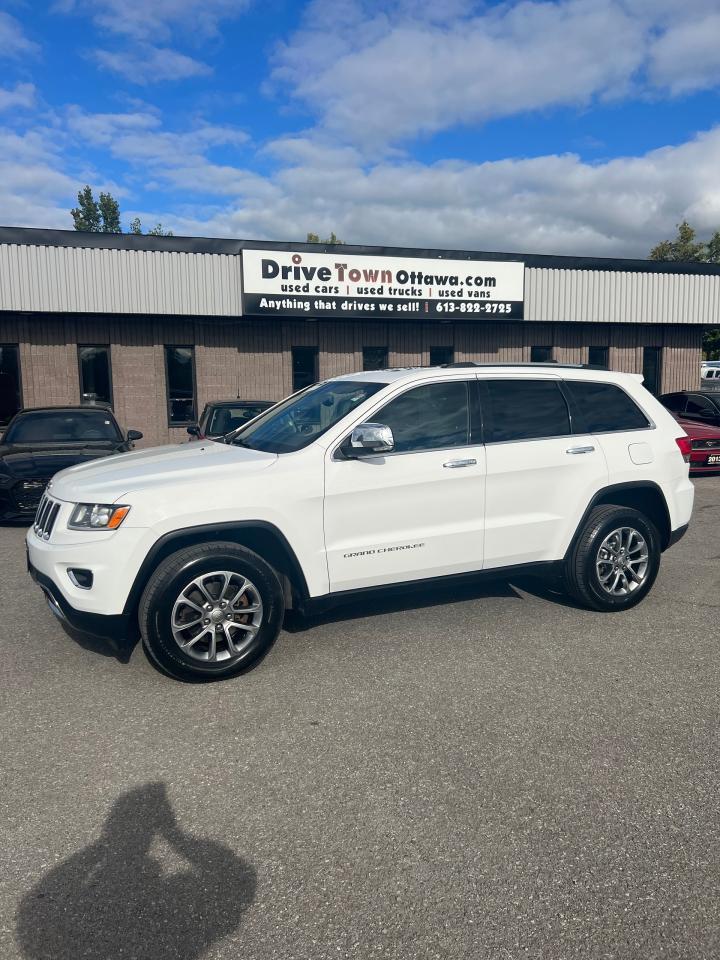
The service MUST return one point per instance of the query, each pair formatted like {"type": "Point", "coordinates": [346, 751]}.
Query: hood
{"type": "Point", "coordinates": [106, 480]}
{"type": "Point", "coordinates": [700, 430]}
{"type": "Point", "coordinates": [25, 462]}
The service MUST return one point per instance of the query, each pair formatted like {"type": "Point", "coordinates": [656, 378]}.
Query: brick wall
{"type": "Point", "coordinates": [254, 358]}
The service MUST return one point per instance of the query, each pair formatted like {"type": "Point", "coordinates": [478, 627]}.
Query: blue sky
{"type": "Point", "coordinates": [565, 126]}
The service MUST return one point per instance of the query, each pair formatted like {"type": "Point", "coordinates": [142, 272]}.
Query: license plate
{"type": "Point", "coordinates": [713, 458]}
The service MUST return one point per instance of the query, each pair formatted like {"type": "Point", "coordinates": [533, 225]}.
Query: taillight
{"type": "Point", "coordinates": [685, 446]}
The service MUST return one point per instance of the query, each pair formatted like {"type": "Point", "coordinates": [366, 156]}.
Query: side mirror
{"type": "Point", "coordinates": [134, 435]}
{"type": "Point", "coordinates": [194, 430]}
{"type": "Point", "coordinates": [370, 438]}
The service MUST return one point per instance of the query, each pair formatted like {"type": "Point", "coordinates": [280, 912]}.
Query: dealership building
{"type": "Point", "coordinates": [159, 326]}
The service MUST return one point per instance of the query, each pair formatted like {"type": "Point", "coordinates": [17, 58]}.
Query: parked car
{"type": "Point", "coordinates": [39, 442]}
{"type": "Point", "coordinates": [223, 416]}
{"type": "Point", "coordinates": [368, 480]}
{"type": "Point", "coordinates": [705, 451]}
{"type": "Point", "coordinates": [698, 405]}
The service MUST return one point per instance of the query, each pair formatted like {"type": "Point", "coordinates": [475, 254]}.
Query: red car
{"type": "Point", "coordinates": [705, 452]}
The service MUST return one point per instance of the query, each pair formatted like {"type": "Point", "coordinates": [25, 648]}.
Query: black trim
{"type": "Point", "coordinates": [127, 241]}
{"type": "Point", "coordinates": [316, 605]}
{"type": "Point", "coordinates": [676, 535]}
{"type": "Point", "coordinates": [203, 533]}
{"type": "Point", "coordinates": [168, 401]}
{"type": "Point", "coordinates": [601, 494]}
{"type": "Point", "coordinates": [106, 626]}
{"type": "Point", "coordinates": [95, 346]}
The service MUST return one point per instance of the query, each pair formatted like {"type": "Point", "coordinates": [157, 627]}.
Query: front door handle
{"type": "Point", "coordinates": [580, 450]}
{"type": "Point", "coordinates": [454, 464]}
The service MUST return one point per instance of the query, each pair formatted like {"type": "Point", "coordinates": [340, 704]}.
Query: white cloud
{"type": "Point", "coordinates": [150, 20]}
{"type": "Point", "coordinates": [21, 96]}
{"type": "Point", "coordinates": [13, 42]}
{"type": "Point", "coordinates": [382, 73]}
{"type": "Point", "coordinates": [146, 64]}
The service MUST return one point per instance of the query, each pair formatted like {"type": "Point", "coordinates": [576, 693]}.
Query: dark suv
{"type": "Point", "coordinates": [698, 405]}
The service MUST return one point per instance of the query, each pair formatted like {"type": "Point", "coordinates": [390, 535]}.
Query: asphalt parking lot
{"type": "Point", "coordinates": [483, 773]}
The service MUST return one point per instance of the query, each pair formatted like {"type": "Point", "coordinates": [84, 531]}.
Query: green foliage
{"type": "Point", "coordinates": [86, 216]}
{"type": "Point", "coordinates": [685, 247]}
{"type": "Point", "coordinates": [135, 226]}
{"type": "Point", "coordinates": [159, 231]}
{"type": "Point", "coordinates": [110, 213]}
{"type": "Point", "coordinates": [315, 238]}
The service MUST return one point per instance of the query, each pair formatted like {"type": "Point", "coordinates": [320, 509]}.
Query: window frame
{"type": "Point", "coordinates": [575, 413]}
{"type": "Point", "coordinates": [316, 358]}
{"type": "Point", "coordinates": [487, 408]}
{"type": "Point", "coordinates": [168, 402]}
{"type": "Point", "coordinates": [16, 347]}
{"type": "Point", "coordinates": [476, 423]}
{"type": "Point", "coordinates": [104, 346]}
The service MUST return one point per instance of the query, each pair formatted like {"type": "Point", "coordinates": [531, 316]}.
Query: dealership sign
{"type": "Point", "coordinates": [300, 284]}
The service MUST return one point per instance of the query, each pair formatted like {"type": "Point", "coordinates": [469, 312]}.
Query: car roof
{"type": "Point", "coordinates": [566, 371]}
{"type": "Point", "coordinates": [238, 402]}
{"type": "Point", "coordinates": [69, 408]}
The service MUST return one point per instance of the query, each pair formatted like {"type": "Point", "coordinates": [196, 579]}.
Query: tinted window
{"type": "Point", "coordinates": [527, 409]}
{"type": "Point", "coordinates": [297, 421]}
{"type": "Point", "coordinates": [673, 401]}
{"type": "Point", "coordinates": [441, 355]}
{"type": "Point", "coordinates": [304, 367]}
{"type": "Point", "coordinates": [603, 407]}
{"type": "Point", "coordinates": [221, 420]}
{"type": "Point", "coordinates": [652, 368]}
{"type": "Point", "coordinates": [9, 382]}
{"type": "Point", "coordinates": [429, 417]}
{"type": "Point", "coordinates": [599, 356]}
{"type": "Point", "coordinates": [375, 358]}
{"type": "Point", "coordinates": [541, 354]}
{"type": "Point", "coordinates": [62, 426]}
{"type": "Point", "coordinates": [699, 407]}
{"type": "Point", "coordinates": [95, 373]}
{"type": "Point", "coordinates": [180, 382]}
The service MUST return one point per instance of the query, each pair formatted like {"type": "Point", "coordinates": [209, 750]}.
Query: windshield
{"type": "Point", "coordinates": [63, 426]}
{"type": "Point", "coordinates": [225, 419]}
{"type": "Point", "coordinates": [297, 421]}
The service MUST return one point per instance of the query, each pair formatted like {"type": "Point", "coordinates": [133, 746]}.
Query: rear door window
{"type": "Point", "coordinates": [526, 410]}
{"type": "Point", "coordinates": [604, 408]}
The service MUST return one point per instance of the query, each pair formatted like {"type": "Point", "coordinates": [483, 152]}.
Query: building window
{"type": "Point", "coordinates": [599, 357]}
{"type": "Point", "coordinates": [95, 374]}
{"type": "Point", "coordinates": [652, 368]}
{"type": "Point", "coordinates": [541, 354]}
{"type": "Point", "coordinates": [440, 356]}
{"type": "Point", "coordinates": [375, 358]}
{"type": "Point", "coordinates": [180, 384]}
{"type": "Point", "coordinates": [304, 367]}
{"type": "Point", "coordinates": [10, 396]}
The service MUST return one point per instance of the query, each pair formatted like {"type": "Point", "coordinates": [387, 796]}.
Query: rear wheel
{"type": "Point", "coordinates": [615, 559]}
{"type": "Point", "coordinates": [210, 611]}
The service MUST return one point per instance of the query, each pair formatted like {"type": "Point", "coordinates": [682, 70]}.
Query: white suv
{"type": "Point", "coordinates": [364, 481]}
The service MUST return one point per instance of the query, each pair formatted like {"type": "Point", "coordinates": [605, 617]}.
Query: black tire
{"type": "Point", "coordinates": [582, 579]}
{"type": "Point", "coordinates": [174, 574]}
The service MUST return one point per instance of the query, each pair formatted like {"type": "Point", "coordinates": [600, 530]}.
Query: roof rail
{"type": "Point", "coordinates": [521, 363]}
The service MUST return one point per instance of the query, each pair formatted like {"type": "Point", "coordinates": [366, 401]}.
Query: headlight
{"type": "Point", "coordinates": [97, 516]}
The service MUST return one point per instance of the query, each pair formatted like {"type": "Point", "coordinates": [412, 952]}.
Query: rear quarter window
{"type": "Point", "coordinates": [603, 408]}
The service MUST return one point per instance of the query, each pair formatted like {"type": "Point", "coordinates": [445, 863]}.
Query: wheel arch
{"type": "Point", "coordinates": [261, 537]}
{"type": "Point", "coordinates": [643, 495]}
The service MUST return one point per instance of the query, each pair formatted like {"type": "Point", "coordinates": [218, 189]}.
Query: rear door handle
{"type": "Point", "coordinates": [454, 464]}
{"type": "Point", "coordinates": [580, 450]}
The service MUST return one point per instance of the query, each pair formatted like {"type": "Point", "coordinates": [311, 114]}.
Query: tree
{"type": "Point", "coordinates": [110, 213]}
{"type": "Point", "coordinates": [315, 238]}
{"type": "Point", "coordinates": [159, 231]}
{"type": "Point", "coordinates": [86, 216]}
{"type": "Point", "coordinates": [687, 248]}
{"type": "Point", "coordinates": [135, 226]}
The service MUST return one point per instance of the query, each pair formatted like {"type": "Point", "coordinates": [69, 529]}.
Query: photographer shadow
{"type": "Point", "coordinates": [145, 889]}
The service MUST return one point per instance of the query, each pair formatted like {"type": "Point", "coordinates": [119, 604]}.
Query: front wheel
{"type": "Point", "coordinates": [615, 559]}
{"type": "Point", "coordinates": [210, 611]}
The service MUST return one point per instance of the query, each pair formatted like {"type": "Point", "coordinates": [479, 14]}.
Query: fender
{"type": "Point", "coordinates": [632, 487]}
{"type": "Point", "coordinates": [239, 530]}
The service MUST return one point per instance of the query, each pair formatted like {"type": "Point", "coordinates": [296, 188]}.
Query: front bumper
{"type": "Point", "coordinates": [113, 627]}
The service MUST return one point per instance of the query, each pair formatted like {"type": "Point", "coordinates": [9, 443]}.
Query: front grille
{"type": "Point", "coordinates": [45, 517]}
{"type": "Point", "coordinates": [706, 444]}
{"type": "Point", "coordinates": [28, 493]}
